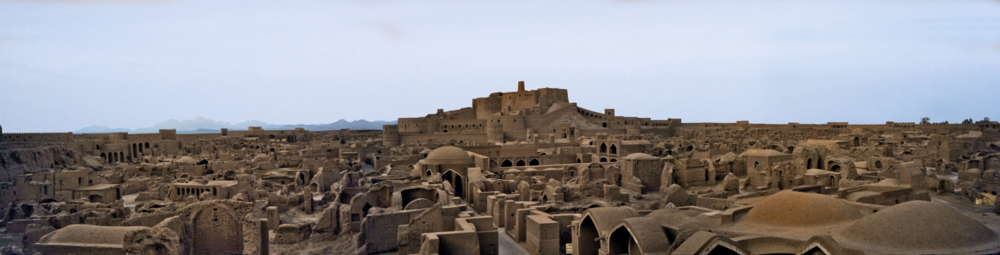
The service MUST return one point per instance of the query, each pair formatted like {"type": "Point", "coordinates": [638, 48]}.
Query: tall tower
{"type": "Point", "coordinates": [520, 86]}
{"type": "Point", "coordinates": [494, 131]}
{"type": "Point", "coordinates": [390, 135]}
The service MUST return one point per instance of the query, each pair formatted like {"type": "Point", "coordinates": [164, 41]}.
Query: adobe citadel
{"type": "Point", "coordinates": [523, 172]}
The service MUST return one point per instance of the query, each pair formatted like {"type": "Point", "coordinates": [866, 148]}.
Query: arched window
{"type": "Point", "coordinates": [614, 149]}
{"type": "Point", "coordinates": [604, 148]}
{"type": "Point", "coordinates": [520, 163]}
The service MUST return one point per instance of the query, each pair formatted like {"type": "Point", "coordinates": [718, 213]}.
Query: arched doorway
{"type": "Point", "coordinates": [809, 163]}
{"type": "Point", "coordinates": [603, 159]}
{"type": "Point", "coordinates": [621, 242]}
{"type": "Point", "coordinates": [520, 162]}
{"type": "Point", "coordinates": [614, 149]}
{"type": "Point", "coordinates": [96, 198]}
{"type": "Point", "coordinates": [506, 163]}
{"type": "Point", "coordinates": [217, 231]}
{"type": "Point", "coordinates": [857, 141]}
{"type": "Point", "coordinates": [456, 180]}
{"type": "Point", "coordinates": [604, 148]}
{"type": "Point", "coordinates": [533, 162]}
{"type": "Point", "coordinates": [493, 163]}
{"type": "Point", "coordinates": [588, 235]}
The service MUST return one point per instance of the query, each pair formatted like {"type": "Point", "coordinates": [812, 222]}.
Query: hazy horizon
{"type": "Point", "coordinates": [66, 65]}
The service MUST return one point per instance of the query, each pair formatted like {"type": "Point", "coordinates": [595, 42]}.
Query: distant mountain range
{"type": "Point", "coordinates": [204, 125]}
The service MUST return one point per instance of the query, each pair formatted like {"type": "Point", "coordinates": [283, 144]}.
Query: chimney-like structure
{"type": "Point", "coordinates": [520, 86]}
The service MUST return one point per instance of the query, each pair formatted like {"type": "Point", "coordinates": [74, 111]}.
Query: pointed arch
{"type": "Point", "coordinates": [506, 163]}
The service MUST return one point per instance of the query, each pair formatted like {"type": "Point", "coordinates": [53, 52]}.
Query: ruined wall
{"type": "Point", "coordinates": [21, 161]}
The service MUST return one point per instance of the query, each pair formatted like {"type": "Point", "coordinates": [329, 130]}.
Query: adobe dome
{"type": "Point", "coordinates": [448, 155]}
{"type": "Point", "coordinates": [640, 156]}
{"type": "Point", "coordinates": [186, 160]}
{"type": "Point", "coordinates": [798, 209]}
{"type": "Point", "coordinates": [88, 234]}
{"type": "Point", "coordinates": [924, 227]}
{"type": "Point", "coordinates": [763, 153]}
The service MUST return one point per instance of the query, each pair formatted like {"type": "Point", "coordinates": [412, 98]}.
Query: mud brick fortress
{"type": "Point", "coordinates": [523, 172]}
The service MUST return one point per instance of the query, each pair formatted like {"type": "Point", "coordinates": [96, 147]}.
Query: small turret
{"type": "Point", "coordinates": [520, 86]}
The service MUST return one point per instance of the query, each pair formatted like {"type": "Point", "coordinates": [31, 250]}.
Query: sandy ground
{"type": "Point", "coordinates": [345, 244]}
{"type": "Point", "coordinates": [508, 245]}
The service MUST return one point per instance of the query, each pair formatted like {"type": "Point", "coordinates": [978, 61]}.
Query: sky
{"type": "Point", "coordinates": [65, 65]}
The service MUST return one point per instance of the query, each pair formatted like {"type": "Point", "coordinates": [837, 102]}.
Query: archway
{"type": "Point", "coordinates": [614, 160]}
{"type": "Point", "coordinates": [459, 185]}
{"type": "Point", "coordinates": [579, 161]}
{"type": "Point", "coordinates": [722, 250]}
{"type": "Point", "coordinates": [588, 238]}
{"type": "Point", "coordinates": [614, 149]}
{"type": "Point", "coordinates": [809, 163]}
{"type": "Point", "coordinates": [857, 141]}
{"type": "Point", "coordinates": [520, 162]}
{"type": "Point", "coordinates": [506, 163]}
{"type": "Point", "coordinates": [621, 242]}
{"type": "Point", "coordinates": [533, 162]}
{"type": "Point", "coordinates": [603, 159]}
{"type": "Point", "coordinates": [604, 148]}
{"type": "Point", "coordinates": [835, 168]}
{"type": "Point", "coordinates": [217, 231]}
{"type": "Point", "coordinates": [493, 163]}
{"type": "Point", "coordinates": [364, 210]}
{"type": "Point", "coordinates": [96, 198]}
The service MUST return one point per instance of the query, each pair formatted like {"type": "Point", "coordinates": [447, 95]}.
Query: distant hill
{"type": "Point", "coordinates": [204, 125]}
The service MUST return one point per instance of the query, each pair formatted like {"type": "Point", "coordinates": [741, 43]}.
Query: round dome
{"type": "Point", "coordinates": [448, 155]}
{"type": "Point", "coordinates": [531, 170]}
{"type": "Point", "coordinates": [640, 156]}
{"type": "Point", "coordinates": [186, 160]}
{"type": "Point", "coordinates": [798, 209]}
{"type": "Point", "coordinates": [88, 234]}
{"type": "Point", "coordinates": [922, 226]}
{"type": "Point", "coordinates": [512, 171]}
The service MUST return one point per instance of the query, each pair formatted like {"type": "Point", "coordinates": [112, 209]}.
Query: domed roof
{"type": "Point", "coordinates": [763, 153]}
{"type": "Point", "coordinates": [923, 227]}
{"type": "Point", "coordinates": [798, 209]}
{"type": "Point", "coordinates": [640, 156]}
{"type": "Point", "coordinates": [512, 171]}
{"type": "Point", "coordinates": [88, 235]}
{"type": "Point", "coordinates": [449, 155]}
{"type": "Point", "coordinates": [531, 170]}
{"type": "Point", "coordinates": [186, 160]}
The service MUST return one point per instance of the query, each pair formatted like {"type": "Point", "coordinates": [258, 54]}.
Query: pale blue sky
{"type": "Point", "coordinates": [65, 65]}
